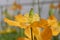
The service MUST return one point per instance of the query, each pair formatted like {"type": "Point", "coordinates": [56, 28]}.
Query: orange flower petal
{"type": "Point", "coordinates": [19, 6]}
{"type": "Point", "coordinates": [59, 5]}
{"type": "Point", "coordinates": [43, 23]}
{"type": "Point", "coordinates": [52, 5]}
{"type": "Point", "coordinates": [46, 34]}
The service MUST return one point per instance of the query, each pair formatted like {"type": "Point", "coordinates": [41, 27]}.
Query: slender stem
{"type": "Point", "coordinates": [39, 10]}
{"type": "Point", "coordinates": [31, 34]}
{"type": "Point", "coordinates": [2, 17]}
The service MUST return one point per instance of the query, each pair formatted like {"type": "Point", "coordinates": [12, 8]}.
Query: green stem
{"type": "Point", "coordinates": [39, 8]}
{"type": "Point", "coordinates": [55, 38]}
{"type": "Point", "coordinates": [21, 32]}
{"type": "Point", "coordinates": [33, 3]}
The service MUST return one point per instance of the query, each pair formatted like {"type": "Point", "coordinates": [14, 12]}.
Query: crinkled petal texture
{"type": "Point", "coordinates": [36, 17]}
{"type": "Point", "coordinates": [55, 31]}
{"type": "Point", "coordinates": [52, 21]}
{"type": "Point", "coordinates": [36, 33]}
{"type": "Point", "coordinates": [28, 32]}
{"type": "Point", "coordinates": [20, 18]}
{"type": "Point", "coordinates": [43, 23]}
{"type": "Point", "coordinates": [46, 33]}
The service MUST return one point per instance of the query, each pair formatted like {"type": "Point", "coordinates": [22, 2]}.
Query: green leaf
{"type": "Point", "coordinates": [9, 36]}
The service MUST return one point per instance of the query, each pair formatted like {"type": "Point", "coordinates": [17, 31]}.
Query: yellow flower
{"type": "Point", "coordinates": [23, 22]}
{"type": "Point", "coordinates": [44, 34]}
{"type": "Point", "coordinates": [54, 25]}
{"type": "Point", "coordinates": [16, 6]}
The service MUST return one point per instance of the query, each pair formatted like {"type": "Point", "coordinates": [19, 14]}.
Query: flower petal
{"type": "Point", "coordinates": [11, 23]}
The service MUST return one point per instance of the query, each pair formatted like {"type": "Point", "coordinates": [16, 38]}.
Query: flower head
{"type": "Point", "coordinates": [16, 6]}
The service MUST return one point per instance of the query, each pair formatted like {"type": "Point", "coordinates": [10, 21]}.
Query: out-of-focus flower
{"type": "Point", "coordinates": [33, 21]}
{"type": "Point", "coordinates": [52, 5]}
{"type": "Point", "coordinates": [52, 21]}
{"type": "Point", "coordinates": [24, 21]}
{"type": "Point", "coordinates": [16, 6]}
{"type": "Point", "coordinates": [58, 6]}
{"type": "Point", "coordinates": [54, 25]}
{"type": "Point", "coordinates": [44, 34]}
